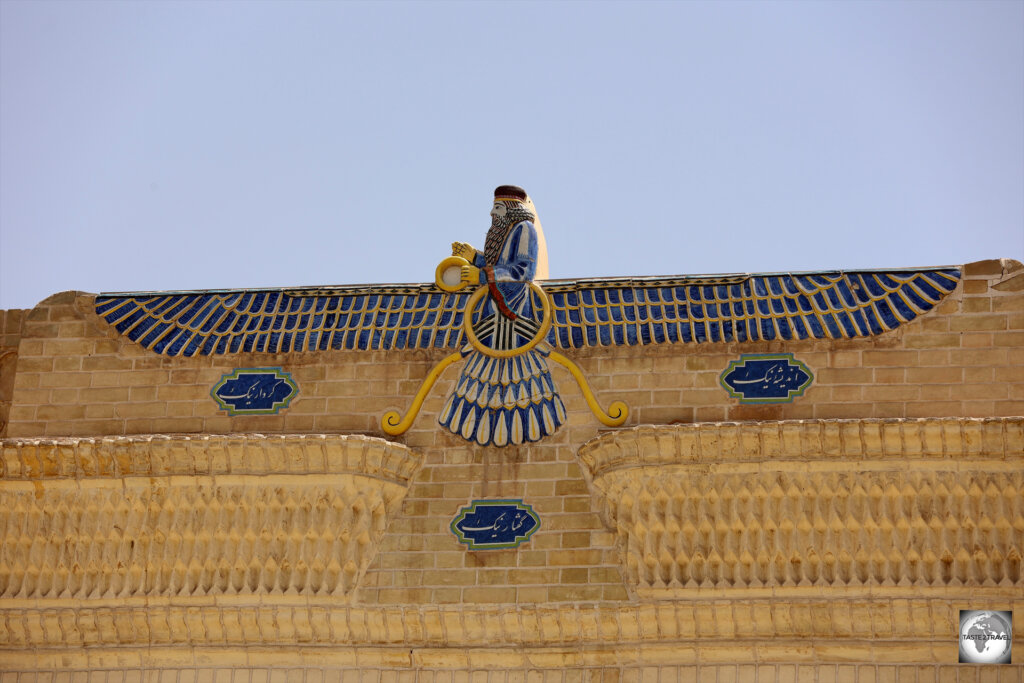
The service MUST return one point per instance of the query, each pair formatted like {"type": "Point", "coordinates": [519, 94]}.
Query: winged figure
{"type": "Point", "coordinates": [487, 309]}
{"type": "Point", "coordinates": [505, 394]}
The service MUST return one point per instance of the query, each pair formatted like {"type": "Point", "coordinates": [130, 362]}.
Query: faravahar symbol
{"type": "Point", "coordinates": [505, 394]}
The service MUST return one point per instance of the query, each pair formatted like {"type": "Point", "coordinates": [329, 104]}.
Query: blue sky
{"type": "Point", "coordinates": [194, 145]}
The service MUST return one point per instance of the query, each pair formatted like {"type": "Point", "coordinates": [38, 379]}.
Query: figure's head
{"type": "Point", "coordinates": [512, 205]}
{"type": "Point", "coordinates": [509, 206]}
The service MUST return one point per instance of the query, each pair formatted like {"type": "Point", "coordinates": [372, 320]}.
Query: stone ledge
{"type": "Point", "coordinates": [580, 625]}
{"type": "Point", "coordinates": [805, 440]}
{"type": "Point", "coordinates": [153, 455]}
{"type": "Point", "coordinates": [707, 662]}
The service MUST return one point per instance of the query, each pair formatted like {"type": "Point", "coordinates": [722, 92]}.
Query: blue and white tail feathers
{"type": "Point", "coordinates": [504, 401]}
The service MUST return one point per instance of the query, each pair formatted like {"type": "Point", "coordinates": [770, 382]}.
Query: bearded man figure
{"type": "Point", "coordinates": [504, 397]}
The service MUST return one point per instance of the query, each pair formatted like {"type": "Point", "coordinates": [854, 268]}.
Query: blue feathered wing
{"type": "Point", "coordinates": [586, 313]}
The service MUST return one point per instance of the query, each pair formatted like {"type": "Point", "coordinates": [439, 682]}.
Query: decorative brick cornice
{"type": "Point", "coordinates": [154, 455]}
{"type": "Point", "coordinates": [864, 507]}
{"type": "Point", "coordinates": [821, 441]}
{"type": "Point", "coordinates": [183, 517]}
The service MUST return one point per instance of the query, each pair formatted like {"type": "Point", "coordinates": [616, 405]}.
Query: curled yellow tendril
{"type": "Point", "coordinates": [617, 411]}
{"type": "Point", "coordinates": [393, 423]}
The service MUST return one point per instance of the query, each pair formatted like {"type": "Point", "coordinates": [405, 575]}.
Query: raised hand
{"type": "Point", "coordinates": [466, 251]}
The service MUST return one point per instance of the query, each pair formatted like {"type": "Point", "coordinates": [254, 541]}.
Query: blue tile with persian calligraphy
{"type": "Point", "coordinates": [766, 378]}
{"type": "Point", "coordinates": [254, 391]}
{"type": "Point", "coordinates": [495, 524]}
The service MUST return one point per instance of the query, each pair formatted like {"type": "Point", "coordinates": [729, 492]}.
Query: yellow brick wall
{"type": "Point", "coordinates": [422, 669]}
{"type": "Point", "coordinates": [147, 519]}
{"type": "Point", "coordinates": [571, 558]}
{"type": "Point", "coordinates": [497, 670]}
{"type": "Point", "coordinates": [77, 377]}
{"type": "Point", "coordinates": [606, 590]}
{"type": "Point", "coordinates": [10, 337]}
{"type": "Point", "coordinates": [221, 552]}
{"type": "Point", "coordinates": [848, 507]}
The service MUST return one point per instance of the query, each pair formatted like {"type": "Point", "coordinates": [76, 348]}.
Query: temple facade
{"type": "Point", "coordinates": [781, 478]}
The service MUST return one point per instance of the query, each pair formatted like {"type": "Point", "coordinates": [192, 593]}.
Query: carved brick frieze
{"type": "Point", "coordinates": [858, 505]}
{"type": "Point", "coordinates": [154, 455]}
{"type": "Point", "coordinates": [189, 517]}
{"type": "Point", "coordinates": [825, 442]}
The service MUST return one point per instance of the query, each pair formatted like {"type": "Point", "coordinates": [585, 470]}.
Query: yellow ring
{"type": "Point", "coordinates": [450, 262]}
{"type": "Point", "coordinates": [467, 324]}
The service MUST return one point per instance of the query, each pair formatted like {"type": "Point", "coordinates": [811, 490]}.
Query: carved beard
{"type": "Point", "coordinates": [500, 227]}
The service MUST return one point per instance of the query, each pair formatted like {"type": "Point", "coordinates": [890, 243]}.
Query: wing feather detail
{"type": "Point", "coordinates": [586, 313]}
{"type": "Point", "coordinates": [743, 308]}
{"type": "Point", "coordinates": [282, 321]}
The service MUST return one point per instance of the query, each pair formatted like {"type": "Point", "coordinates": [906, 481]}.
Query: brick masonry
{"type": "Point", "coordinates": [10, 338]}
{"type": "Point", "coordinates": [75, 376]}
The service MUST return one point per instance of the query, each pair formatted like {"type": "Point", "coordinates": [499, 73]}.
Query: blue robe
{"type": "Point", "coordinates": [506, 401]}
